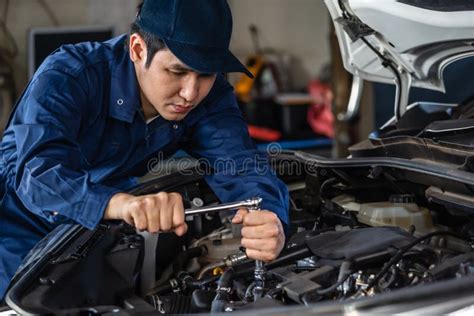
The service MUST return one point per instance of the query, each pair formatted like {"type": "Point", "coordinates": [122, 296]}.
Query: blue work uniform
{"type": "Point", "coordinates": [78, 136]}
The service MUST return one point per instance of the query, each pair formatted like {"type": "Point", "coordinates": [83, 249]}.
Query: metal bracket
{"type": "Point", "coordinates": [354, 100]}
{"type": "Point", "coordinates": [402, 92]}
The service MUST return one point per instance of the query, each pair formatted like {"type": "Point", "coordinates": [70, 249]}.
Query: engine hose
{"type": "Point", "coordinates": [224, 288]}
{"type": "Point", "coordinates": [288, 256]}
{"type": "Point", "coordinates": [326, 184]}
{"type": "Point", "coordinates": [229, 261]}
{"type": "Point", "coordinates": [185, 280]}
{"type": "Point", "coordinates": [183, 258]}
{"type": "Point", "coordinates": [179, 263]}
{"type": "Point", "coordinates": [207, 269]}
{"type": "Point", "coordinates": [402, 251]}
{"type": "Point", "coordinates": [197, 284]}
{"type": "Point", "coordinates": [344, 273]}
{"type": "Point", "coordinates": [248, 296]}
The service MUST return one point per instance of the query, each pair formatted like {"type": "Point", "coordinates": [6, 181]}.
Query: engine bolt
{"type": "Point", "coordinates": [197, 202]}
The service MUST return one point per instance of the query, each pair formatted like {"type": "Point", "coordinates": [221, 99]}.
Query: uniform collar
{"type": "Point", "coordinates": [124, 90]}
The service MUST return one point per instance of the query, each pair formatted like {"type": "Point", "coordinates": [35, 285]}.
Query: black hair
{"type": "Point", "coordinates": [153, 43]}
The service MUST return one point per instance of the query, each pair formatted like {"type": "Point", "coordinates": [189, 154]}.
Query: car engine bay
{"type": "Point", "coordinates": [346, 246]}
{"type": "Point", "coordinates": [396, 216]}
{"type": "Point", "coordinates": [346, 241]}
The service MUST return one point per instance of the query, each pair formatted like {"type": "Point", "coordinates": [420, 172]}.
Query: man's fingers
{"type": "Point", "coordinates": [139, 219]}
{"type": "Point", "coordinates": [262, 235]}
{"type": "Point", "coordinates": [161, 212]}
{"type": "Point", "coordinates": [261, 232]}
{"type": "Point", "coordinates": [260, 255]}
{"type": "Point", "coordinates": [270, 244]}
{"type": "Point", "coordinates": [166, 211]}
{"type": "Point", "coordinates": [181, 229]}
{"type": "Point", "coordinates": [260, 218]}
{"type": "Point", "coordinates": [178, 210]}
{"type": "Point", "coordinates": [239, 216]}
{"type": "Point", "coordinates": [153, 215]}
{"type": "Point", "coordinates": [128, 218]}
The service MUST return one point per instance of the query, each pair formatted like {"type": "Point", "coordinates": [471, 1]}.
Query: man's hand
{"type": "Point", "coordinates": [161, 212]}
{"type": "Point", "coordinates": [262, 234]}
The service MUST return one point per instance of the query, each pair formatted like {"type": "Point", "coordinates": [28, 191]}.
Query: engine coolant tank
{"type": "Point", "coordinates": [401, 211]}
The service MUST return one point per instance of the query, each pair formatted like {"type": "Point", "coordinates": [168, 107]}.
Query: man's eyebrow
{"type": "Point", "coordinates": [184, 68]}
{"type": "Point", "coordinates": [181, 67]}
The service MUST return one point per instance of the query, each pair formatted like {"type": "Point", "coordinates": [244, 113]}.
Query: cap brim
{"type": "Point", "coordinates": [207, 59]}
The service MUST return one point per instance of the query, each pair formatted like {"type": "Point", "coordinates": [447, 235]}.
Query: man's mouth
{"type": "Point", "coordinates": [181, 109]}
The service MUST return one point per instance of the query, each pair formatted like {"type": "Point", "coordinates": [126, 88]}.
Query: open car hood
{"type": "Point", "coordinates": [413, 39]}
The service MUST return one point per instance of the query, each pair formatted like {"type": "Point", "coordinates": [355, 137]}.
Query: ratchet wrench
{"type": "Point", "coordinates": [252, 204]}
{"type": "Point", "coordinates": [248, 204]}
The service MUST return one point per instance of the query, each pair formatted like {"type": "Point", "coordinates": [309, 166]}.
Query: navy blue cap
{"type": "Point", "coordinates": [196, 32]}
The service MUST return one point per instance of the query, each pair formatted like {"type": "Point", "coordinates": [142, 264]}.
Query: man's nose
{"type": "Point", "coordinates": [190, 88]}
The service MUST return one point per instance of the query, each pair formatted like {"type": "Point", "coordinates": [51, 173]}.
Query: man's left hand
{"type": "Point", "coordinates": [262, 234]}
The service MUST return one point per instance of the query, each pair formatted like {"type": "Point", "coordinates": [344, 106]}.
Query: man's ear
{"type": "Point", "coordinates": [137, 48]}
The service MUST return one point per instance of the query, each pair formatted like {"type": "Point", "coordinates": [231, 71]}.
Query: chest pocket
{"type": "Point", "coordinates": [106, 146]}
{"type": "Point", "coordinates": [102, 153]}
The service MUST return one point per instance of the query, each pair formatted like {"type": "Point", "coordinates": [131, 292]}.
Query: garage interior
{"type": "Point", "coordinates": [295, 41]}
{"type": "Point", "coordinates": [299, 54]}
{"type": "Point", "coordinates": [380, 207]}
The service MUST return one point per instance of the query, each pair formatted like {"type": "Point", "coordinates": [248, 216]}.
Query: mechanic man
{"type": "Point", "coordinates": [94, 114]}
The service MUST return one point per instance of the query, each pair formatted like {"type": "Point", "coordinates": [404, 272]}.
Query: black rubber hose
{"type": "Point", "coordinates": [402, 251]}
{"type": "Point", "coordinates": [178, 265]}
{"type": "Point", "coordinates": [189, 282]}
{"type": "Point", "coordinates": [326, 184]}
{"type": "Point", "coordinates": [197, 284]}
{"type": "Point", "coordinates": [183, 258]}
{"type": "Point", "coordinates": [333, 287]}
{"type": "Point", "coordinates": [288, 256]}
{"type": "Point", "coordinates": [222, 298]}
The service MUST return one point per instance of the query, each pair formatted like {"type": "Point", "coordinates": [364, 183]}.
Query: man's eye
{"type": "Point", "coordinates": [178, 73]}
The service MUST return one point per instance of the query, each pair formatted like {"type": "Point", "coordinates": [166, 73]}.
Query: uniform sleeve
{"type": "Point", "coordinates": [240, 171]}
{"type": "Point", "coordinates": [49, 179]}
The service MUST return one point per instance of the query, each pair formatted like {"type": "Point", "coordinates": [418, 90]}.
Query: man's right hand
{"type": "Point", "coordinates": [160, 212]}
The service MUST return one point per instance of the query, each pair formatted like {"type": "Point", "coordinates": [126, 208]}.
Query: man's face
{"type": "Point", "coordinates": [168, 87]}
